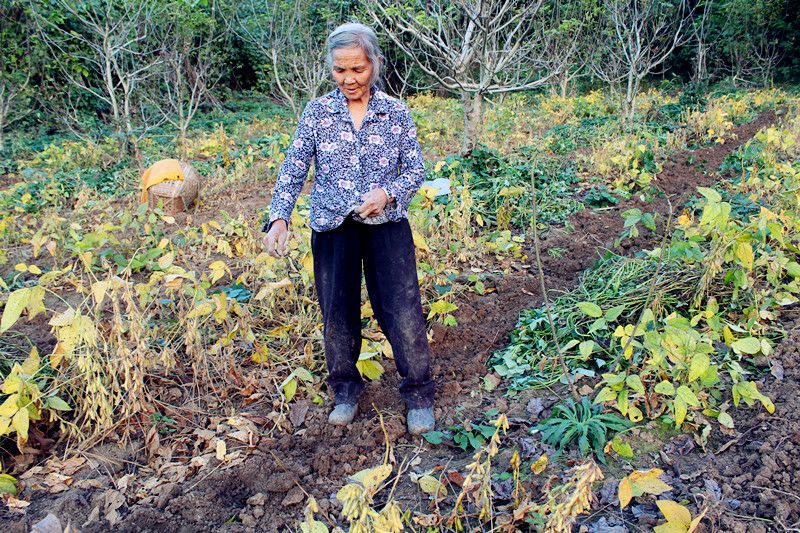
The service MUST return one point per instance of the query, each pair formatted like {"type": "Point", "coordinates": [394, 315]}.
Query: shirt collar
{"type": "Point", "coordinates": [378, 102]}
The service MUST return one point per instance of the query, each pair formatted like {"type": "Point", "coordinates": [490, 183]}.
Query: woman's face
{"type": "Point", "coordinates": [352, 71]}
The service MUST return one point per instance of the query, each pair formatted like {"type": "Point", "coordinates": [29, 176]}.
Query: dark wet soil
{"type": "Point", "coordinates": [318, 457]}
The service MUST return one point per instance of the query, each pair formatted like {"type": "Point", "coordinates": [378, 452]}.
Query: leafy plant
{"type": "Point", "coordinates": [581, 422]}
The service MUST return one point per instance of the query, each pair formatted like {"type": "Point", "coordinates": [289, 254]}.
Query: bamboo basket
{"type": "Point", "coordinates": [177, 196]}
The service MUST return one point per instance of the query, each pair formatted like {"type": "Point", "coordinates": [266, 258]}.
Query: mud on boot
{"type": "Point", "coordinates": [420, 420]}
{"type": "Point", "coordinates": [343, 414]}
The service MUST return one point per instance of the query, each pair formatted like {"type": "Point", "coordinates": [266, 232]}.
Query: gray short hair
{"type": "Point", "coordinates": [355, 35]}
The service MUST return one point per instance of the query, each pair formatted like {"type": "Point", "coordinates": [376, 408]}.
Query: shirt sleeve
{"type": "Point", "coordinates": [293, 170]}
{"type": "Point", "coordinates": [411, 168]}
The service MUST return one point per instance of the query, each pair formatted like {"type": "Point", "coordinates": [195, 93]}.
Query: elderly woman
{"type": "Point", "coordinates": [368, 166]}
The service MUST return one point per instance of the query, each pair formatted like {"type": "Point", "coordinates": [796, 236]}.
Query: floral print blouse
{"type": "Point", "coordinates": [349, 162]}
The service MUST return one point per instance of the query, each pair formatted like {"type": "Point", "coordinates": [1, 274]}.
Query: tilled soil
{"type": "Point", "coordinates": [759, 473]}
{"type": "Point", "coordinates": [266, 492]}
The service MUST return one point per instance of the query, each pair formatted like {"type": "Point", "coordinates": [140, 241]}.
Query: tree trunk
{"type": "Point", "coordinates": [630, 97]}
{"type": "Point", "coordinates": [700, 69]}
{"type": "Point", "coordinates": [563, 83]}
{"type": "Point", "coordinates": [182, 142]}
{"type": "Point", "coordinates": [473, 116]}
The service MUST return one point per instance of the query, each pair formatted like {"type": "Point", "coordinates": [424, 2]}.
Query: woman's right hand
{"type": "Point", "coordinates": [276, 238]}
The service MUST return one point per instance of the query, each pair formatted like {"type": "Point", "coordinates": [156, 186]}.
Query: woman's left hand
{"type": "Point", "coordinates": [374, 202]}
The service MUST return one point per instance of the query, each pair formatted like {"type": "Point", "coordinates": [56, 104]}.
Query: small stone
{"type": "Point", "coordinates": [603, 526]}
{"type": "Point", "coordinates": [257, 500]}
{"type": "Point", "coordinates": [733, 504]}
{"type": "Point", "coordinates": [247, 520]}
{"type": "Point", "coordinates": [258, 512]}
{"type": "Point", "coordinates": [712, 487]}
{"type": "Point", "coordinates": [609, 494]}
{"type": "Point", "coordinates": [534, 408]}
{"type": "Point", "coordinates": [295, 496]}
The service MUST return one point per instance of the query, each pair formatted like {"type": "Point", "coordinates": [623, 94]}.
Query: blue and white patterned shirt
{"type": "Point", "coordinates": [349, 162]}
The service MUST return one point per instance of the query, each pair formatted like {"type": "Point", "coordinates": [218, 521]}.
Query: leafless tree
{"type": "Point", "coordinates": [639, 35]}
{"type": "Point", "coordinates": [113, 43]}
{"type": "Point", "coordinates": [188, 74]}
{"type": "Point", "coordinates": [293, 48]}
{"type": "Point", "coordinates": [700, 37]}
{"type": "Point", "coordinates": [473, 47]}
{"type": "Point", "coordinates": [572, 41]}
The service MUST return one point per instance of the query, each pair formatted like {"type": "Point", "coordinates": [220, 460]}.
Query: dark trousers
{"type": "Point", "coordinates": [390, 269]}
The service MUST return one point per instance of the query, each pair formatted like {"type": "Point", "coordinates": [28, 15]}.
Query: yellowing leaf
{"type": "Point", "coordinates": [221, 450]}
{"type": "Point", "coordinates": [441, 307]}
{"type": "Point", "coordinates": [744, 252]}
{"type": "Point", "coordinates": [699, 365]}
{"type": "Point", "coordinates": [370, 369]}
{"type": "Point", "coordinates": [270, 287]}
{"type": "Point", "coordinates": [308, 264]}
{"type": "Point", "coordinates": [20, 423]}
{"type": "Point", "coordinates": [748, 345]}
{"type": "Point", "coordinates": [669, 527]}
{"type": "Point", "coordinates": [32, 363]}
{"type": "Point", "coordinates": [641, 482]}
{"type": "Point", "coordinates": [432, 486]}
{"type": "Point", "coordinates": [371, 478]}
{"type": "Point", "coordinates": [9, 406]}
{"type": "Point", "coordinates": [680, 411]}
{"type": "Point", "coordinates": [313, 526]}
{"type": "Point", "coordinates": [290, 388]}
{"type": "Point", "coordinates": [205, 308]}
{"type": "Point", "coordinates": [675, 513]}
{"type": "Point", "coordinates": [17, 301]}
{"type": "Point", "coordinates": [725, 420]}
{"type": "Point", "coordinates": [166, 260]}
{"type": "Point", "coordinates": [33, 269]}
{"type": "Point", "coordinates": [419, 241]}
{"type": "Point", "coordinates": [260, 356]}
{"type": "Point", "coordinates": [540, 464]}
{"type": "Point", "coordinates": [99, 289]}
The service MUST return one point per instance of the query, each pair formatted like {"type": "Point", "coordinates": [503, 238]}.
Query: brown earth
{"type": "Point", "coordinates": [266, 491]}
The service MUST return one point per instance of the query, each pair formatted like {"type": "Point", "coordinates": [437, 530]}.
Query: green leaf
{"type": "Point", "coordinates": [748, 345]}
{"type": "Point", "coordinates": [793, 269]}
{"type": "Point", "coordinates": [725, 420]}
{"type": "Point", "coordinates": [634, 382]}
{"type": "Point", "coordinates": [434, 437]}
{"type": "Point", "coordinates": [666, 388]}
{"type": "Point", "coordinates": [591, 309]}
{"type": "Point", "coordinates": [8, 485]}
{"type": "Point", "coordinates": [623, 449]}
{"type": "Point", "coordinates": [586, 348]}
{"type": "Point", "coordinates": [613, 313]}
{"type": "Point", "coordinates": [710, 194]}
{"type": "Point", "coordinates": [54, 402]}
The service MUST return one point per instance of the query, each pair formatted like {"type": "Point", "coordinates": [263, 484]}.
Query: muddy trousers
{"type": "Point", "coordinates": [389, 266]}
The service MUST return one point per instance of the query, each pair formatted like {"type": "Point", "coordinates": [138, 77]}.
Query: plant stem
{"type": "Point", "coordinates": [543, 285]}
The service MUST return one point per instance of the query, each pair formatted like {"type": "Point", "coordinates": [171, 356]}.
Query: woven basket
{"type": "Point", "coordinates": [177, 196]}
